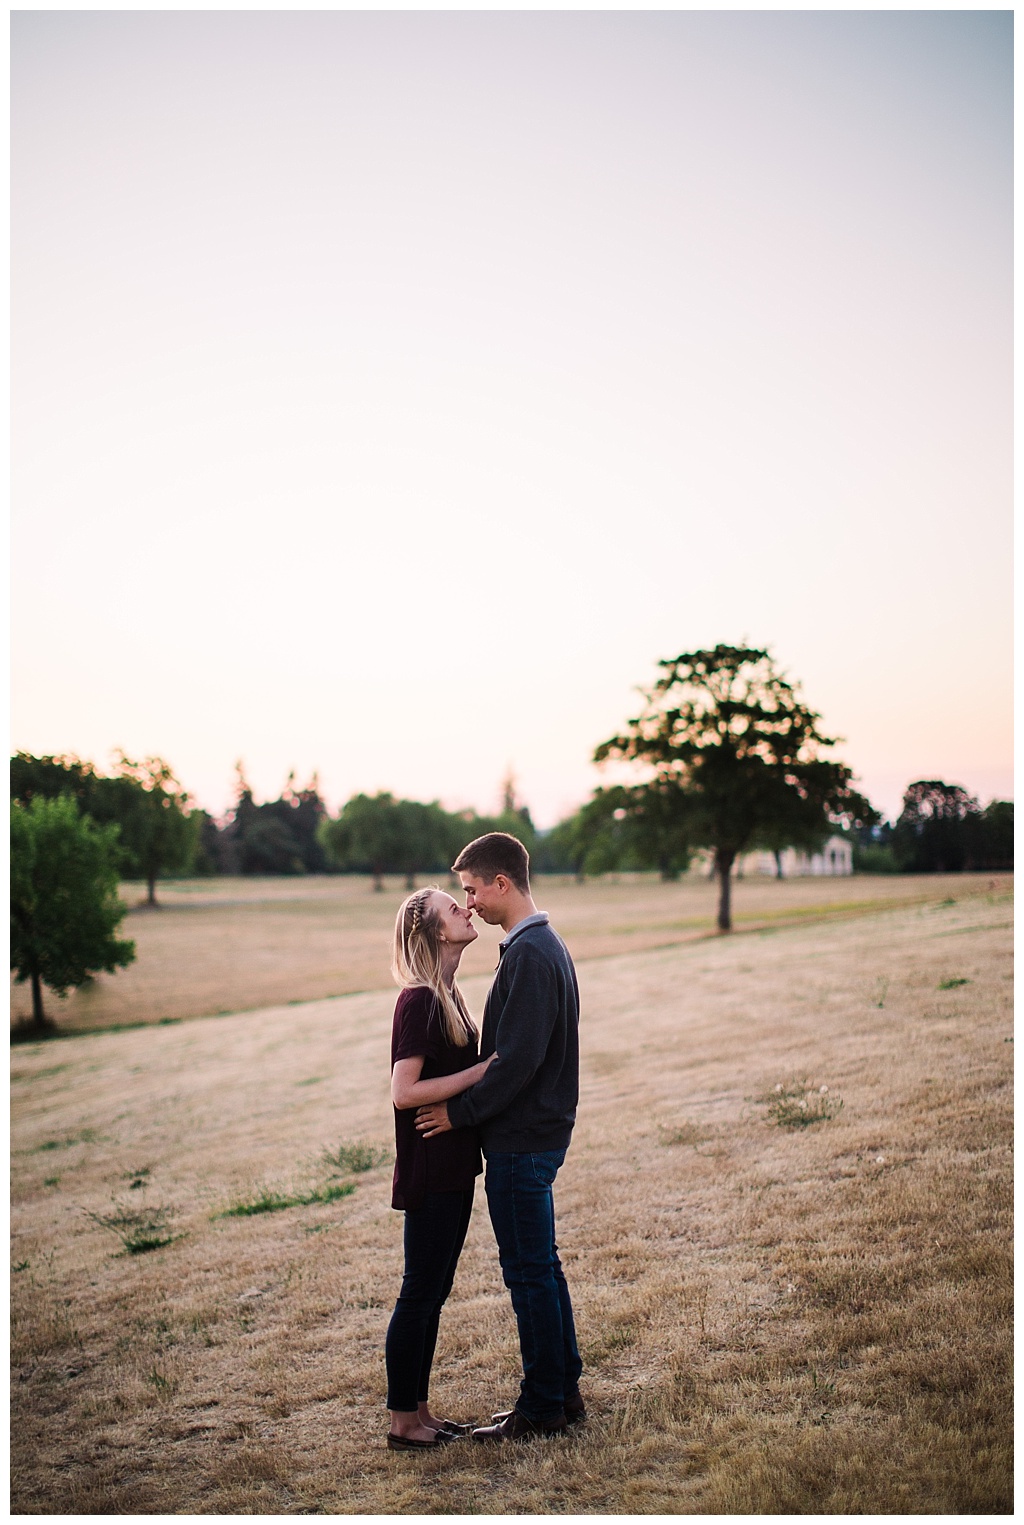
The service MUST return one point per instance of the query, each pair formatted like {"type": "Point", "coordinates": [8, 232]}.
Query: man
{"type": "Point", "coordinates": [524, 1107]}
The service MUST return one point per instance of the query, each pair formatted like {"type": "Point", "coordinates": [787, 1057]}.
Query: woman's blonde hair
{"type": "Point", "coordinates": [417, 962]}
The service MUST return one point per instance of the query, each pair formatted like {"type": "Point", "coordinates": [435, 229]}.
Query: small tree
{"type": "Point", "coordinates": [64, 904]}
{"type": "Point", "coordinates": [367, 836]}
{"type": "Point", "coordinates": [151, 808]}
{"type": "Point", "coordinates": [727, 738]}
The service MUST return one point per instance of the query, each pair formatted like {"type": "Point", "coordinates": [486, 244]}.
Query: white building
{"type": "Point", "coordinates": [836, 857]}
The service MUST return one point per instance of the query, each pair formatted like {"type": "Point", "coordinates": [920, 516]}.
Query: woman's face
{"type": "Point", "coordinates": [456, 922]}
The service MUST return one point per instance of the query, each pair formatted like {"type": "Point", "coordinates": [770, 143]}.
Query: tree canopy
{"type": "Point", "coordinates": [152, 810]}
{"type": "Point", "coordinates": [281, 836]}
{"type": "Point", "coordinates": [144, 800]}
{"type": "Point", "coordinates": [65, 909]}
{"type": "Point", "coordinates": [943, 829]}
{"type": "Point", "coordinates": [379, 834]}
{"type": "Point", "coordinates": [730, 751]}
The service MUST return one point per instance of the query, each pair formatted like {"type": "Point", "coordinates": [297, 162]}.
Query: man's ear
{"type": "Point", "coordinates": [502, 883]}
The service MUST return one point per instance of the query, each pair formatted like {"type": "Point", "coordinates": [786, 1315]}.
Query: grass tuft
{"type": "Point", "coordinates": [138, 1231]}
{"type": "Point", "coordinates": [682, 1133]}
{"type": "Point", "coordinates": [797, 1105]}
{"type": "Point", "coordinates": [952, 984]}
{"type": "Point", "coordinates": [357, 1156]}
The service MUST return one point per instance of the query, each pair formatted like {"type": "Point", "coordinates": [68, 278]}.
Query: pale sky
{"type": "Point", "coordinates": [391, 391]}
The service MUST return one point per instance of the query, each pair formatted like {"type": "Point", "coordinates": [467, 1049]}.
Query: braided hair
{"type": "Point", "coordinates": [417, 961]}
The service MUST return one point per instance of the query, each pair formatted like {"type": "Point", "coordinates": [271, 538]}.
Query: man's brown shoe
{"type": "Point", "coordinates": [575, 1412]}
{"type": "Point", "coordinates": [516, 1426]}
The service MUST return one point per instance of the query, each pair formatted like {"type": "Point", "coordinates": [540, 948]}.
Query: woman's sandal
{"type": "Point", "coordinates": [403, 1443]}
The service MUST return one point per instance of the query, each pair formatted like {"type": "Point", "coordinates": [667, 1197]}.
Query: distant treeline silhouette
{"type": "Point", "coordinates": [728, 758]}
{"type": "Point", "coordinates": [941, 829]}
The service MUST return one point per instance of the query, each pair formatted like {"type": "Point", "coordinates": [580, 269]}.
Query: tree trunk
{"type": "Point", "coordinates": [151, 882]}
{"type": "Point", "coordinates": [40, 1021]}
{"type": "Point", "coordinates": [410, 881]}
{"type": "Point", "coordinates": [778, 864]}
{"type": "Point", "coordinates": [38, 1014]}
{"type": "Point", "coordinates": [378, 879]}
{"type": "Point", "coordinates": [724, 860]}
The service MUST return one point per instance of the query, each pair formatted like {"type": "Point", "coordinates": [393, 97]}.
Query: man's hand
{"type": "Point", "coordinates": [433, 1119]}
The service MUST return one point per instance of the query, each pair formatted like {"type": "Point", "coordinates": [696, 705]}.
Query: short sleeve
{"type": "Point", "coordinates": [416, 1035]}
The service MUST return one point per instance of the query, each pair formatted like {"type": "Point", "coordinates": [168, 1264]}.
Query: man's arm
{"type": "Point", "coordinates": [524, 1031]}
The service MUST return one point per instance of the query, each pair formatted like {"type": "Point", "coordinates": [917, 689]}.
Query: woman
{"type": "Point", "coordinates": [433, 1057]}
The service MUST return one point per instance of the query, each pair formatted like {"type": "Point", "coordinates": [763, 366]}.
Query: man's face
{"type": "Point", "coordinates": [487, 900]}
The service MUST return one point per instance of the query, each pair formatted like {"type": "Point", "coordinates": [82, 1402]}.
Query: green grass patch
{"type": "Point", "coordinates": [87, 1136]}
{"type": "Point", "coordinates": [265, 1201]}
{"type": "Point", "coordinates": [952, 984]}
{"type": "Point", "coordinates": [52, 1069]}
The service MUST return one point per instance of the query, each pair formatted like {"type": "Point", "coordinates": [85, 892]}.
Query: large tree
{"type": "Point", "coordinates": [997, 835]}
{"type": "Point", "coordinates": [939, 829]}
{"type": "Point", "coordinates": [728, 740]}
{"type": "Point", "coordinates": [65, 909]}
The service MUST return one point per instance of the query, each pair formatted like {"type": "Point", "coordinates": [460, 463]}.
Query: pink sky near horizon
{"type": "Point", "coordinates": [392, 390]}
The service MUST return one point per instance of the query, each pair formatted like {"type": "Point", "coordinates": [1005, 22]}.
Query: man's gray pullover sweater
{"type": "Point", "coordinates": [526, 1102]}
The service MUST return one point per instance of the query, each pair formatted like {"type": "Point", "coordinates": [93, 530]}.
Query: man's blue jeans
{"type": "Point", "coordinates": [522, 1210]}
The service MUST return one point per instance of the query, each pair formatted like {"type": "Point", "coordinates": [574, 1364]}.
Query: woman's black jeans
{"type": "Point", "coordinates": [434, 1236]}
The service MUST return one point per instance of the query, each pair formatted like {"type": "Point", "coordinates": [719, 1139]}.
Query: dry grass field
{"type": "Point", "coordinates": [783, 1308]}
{"type": "Point", "coordinates": [228, 945]}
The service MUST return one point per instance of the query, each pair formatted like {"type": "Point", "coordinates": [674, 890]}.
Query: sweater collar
{"type": "Point", "coordinates": [538, 919]}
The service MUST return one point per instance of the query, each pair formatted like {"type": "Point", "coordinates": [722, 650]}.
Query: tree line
{"type": "Point", "coordinates": [723, 756]}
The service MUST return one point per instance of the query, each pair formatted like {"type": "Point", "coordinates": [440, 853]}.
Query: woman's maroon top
{"type": "Point", "coordinates": [451, 1161]}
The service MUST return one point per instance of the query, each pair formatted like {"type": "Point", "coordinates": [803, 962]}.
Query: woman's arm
{"type": "Point", "coordinates": [408, 1090]}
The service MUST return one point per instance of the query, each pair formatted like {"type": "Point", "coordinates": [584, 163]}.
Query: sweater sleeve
{"type": "Point", "coordinates": [521, 1040]}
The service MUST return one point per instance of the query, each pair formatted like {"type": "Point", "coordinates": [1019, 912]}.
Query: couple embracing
{"type": "Point", "coordinates": [516, 1098]}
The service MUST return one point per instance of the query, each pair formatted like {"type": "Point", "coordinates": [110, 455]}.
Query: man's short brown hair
{"type": "Point", "coordinates": [496, 853]}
